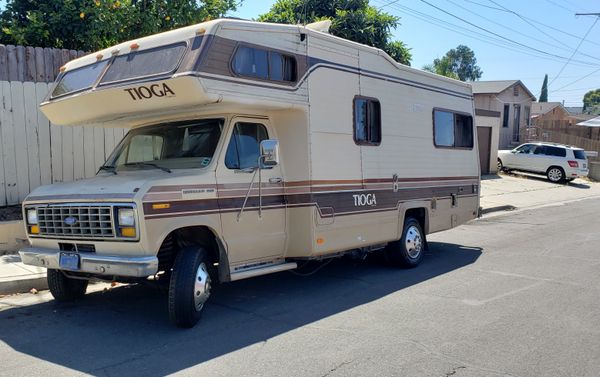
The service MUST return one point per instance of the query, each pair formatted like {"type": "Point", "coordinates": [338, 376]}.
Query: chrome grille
{"type": "Point", "coordinates": [76, 221]}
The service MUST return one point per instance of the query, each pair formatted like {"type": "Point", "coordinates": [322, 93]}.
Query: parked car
{"type": "Point", "coordinates": [557, 161]}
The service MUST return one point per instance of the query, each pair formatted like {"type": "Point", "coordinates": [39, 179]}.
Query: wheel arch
{"type": "Point", "coordinates": [418, 210]}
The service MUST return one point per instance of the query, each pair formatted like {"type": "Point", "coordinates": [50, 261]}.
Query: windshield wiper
{"type": "Point", "coordinates": [109, 168]}
{"type": "Point", "coordinates": [148, 164]}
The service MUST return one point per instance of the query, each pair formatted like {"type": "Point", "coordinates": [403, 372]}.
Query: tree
{"type": "Point", "coordinates": [95, 24]}
{"type": "Point", "coordinates": [459, 63]}
{"type": "Point", "coordinates": [355, 20]}
{"type": "Point", "coordinates": [544, 94]}
{"type": "Point", "coordinates": [591, 101]}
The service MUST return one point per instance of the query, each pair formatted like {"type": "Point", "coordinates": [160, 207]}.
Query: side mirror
{"type": "Point", "coordinates": [269, 152]}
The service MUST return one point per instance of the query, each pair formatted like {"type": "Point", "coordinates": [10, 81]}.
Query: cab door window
{"type": "Point", "coordinates": [244, 146]}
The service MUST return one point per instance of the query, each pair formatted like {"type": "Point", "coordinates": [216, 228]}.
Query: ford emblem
{"type": "Point", "coordinates": [70, 220]}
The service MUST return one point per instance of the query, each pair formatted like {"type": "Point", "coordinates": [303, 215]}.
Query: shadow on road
{"type": "Point", "coordinates": [542, 178]}
{"type": "Point", "coordinates": [125, 331]}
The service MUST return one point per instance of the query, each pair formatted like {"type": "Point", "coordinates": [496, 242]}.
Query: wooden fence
{"type": "Point", "coordinates": [33, 151]}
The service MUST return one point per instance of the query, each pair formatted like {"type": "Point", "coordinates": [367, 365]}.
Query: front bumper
{"type": "Point", "coordinates": [92, 263]}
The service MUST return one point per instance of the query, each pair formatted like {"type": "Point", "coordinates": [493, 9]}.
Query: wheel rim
{"type": "Point", "coordinates": [201, 287]}
{"type": "Point", "coordinates": [413, 242]}
{"type": "Point", "coordinates": [555, 174]}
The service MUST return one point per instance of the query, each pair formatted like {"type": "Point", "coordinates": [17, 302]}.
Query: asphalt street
{"type": "Point", "coordinates": [510, 295]}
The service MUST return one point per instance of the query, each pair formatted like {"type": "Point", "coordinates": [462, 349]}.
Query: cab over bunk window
{"type": "Point", "coordinates": [79, 79]}
{"type": "Point", "coordinates": [244, 146]}
{"type": "Point", "coordinates": [151, 62]}
{"type": "Point", "coordinates": [263, 64]}
{"type": "Point", "coordinates": [367, 121]}
{"type": "Point", "coordinates": [452, 130]}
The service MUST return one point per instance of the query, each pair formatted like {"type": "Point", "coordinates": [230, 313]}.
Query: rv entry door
{"type": "Point", "coordinates": [253, 224]}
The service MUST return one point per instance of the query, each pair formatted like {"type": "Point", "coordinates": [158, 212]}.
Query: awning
{"type": "Point", "coordinates": [594, 122]}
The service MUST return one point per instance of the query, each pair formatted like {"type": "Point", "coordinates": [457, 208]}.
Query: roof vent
{"type": "Point", "coordinates": [322, 26]}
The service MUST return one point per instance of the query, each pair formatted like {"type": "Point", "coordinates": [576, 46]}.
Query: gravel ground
{"type": "Point", "coordinates": [11, 213]}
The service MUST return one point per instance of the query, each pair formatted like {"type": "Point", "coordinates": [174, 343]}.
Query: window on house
{"type": "Point", "coordinates": [515, 91]}
{"type": "Point", "coordinates": [452, 130]}
{"type": "Point", "coordinates": [505, 116]}
{"type": "Point", "coordinates": [263, 64]}
{"type": "Point", "coordinates": [527, 116]}
{"type": "Point", "coordinates": [244, 146]}
{"type": "Point", "coordinates": [367, 121]}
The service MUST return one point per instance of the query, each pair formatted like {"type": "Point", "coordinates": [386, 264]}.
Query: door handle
{"type": "Point", "coordinates": [275, 180]}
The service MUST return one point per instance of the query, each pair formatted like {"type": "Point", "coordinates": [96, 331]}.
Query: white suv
{"type": "Point", "coordinates": [557, 161]}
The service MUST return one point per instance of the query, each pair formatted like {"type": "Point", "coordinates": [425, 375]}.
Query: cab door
{"type": "Point", "coordinates": [252, 233]}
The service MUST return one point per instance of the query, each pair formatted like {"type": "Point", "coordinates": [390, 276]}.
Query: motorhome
{"type": "Point", "coordinates": [252, 147]}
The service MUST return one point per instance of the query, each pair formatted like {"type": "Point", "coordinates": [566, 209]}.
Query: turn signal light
{"type": "Point", "coordinates": [161, 206]}
{"type": "Point", "coordinates": [128, 232]}
{"type": "Point", "coordinates": [573, 164]}
{"type": "Point", "coordinates": [34, 229]}
{"type": "Point", "coordinates": [320, 241]}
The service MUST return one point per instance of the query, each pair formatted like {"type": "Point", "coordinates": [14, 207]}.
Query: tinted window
{"type": "Point", "coordinates": [150, 62]}
{"type": "Point", "coordinates": [244, 147]}
{"type": "Point", "coordinates": [251, 62]}
{"type": "Point", "coordinates": [452, 129]}
{"type": "Point", "coordinates": [263, 64]}
{"type": "Point", "coordinates": [367, 121]}
{"type": "Point", "coordinates": [579, 154]}
{"type": "Point", "coordinates": [555, 151]}
{"type": "Point", "coordinates": [79, 79]}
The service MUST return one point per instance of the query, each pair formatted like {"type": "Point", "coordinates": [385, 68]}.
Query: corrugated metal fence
{"type": "Point", "coordinates": [33, 151]}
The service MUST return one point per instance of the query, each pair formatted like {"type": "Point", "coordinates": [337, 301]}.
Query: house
{"type": "Point", "coordinates": [511, 100]}
{"type": "Point", "coordinates": [548, 111]}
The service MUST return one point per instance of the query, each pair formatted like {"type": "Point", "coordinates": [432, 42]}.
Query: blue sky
{"type": "Point", "coordinates": [529, 39]}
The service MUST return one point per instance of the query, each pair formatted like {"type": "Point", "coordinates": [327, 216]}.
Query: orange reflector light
{"type": "Point", "coordinates": [134, 46]}
{"type": "Point", "coordinates": [320, 241]}
{"type": "Point", "coordinates": [62, 69]}
{"type": "Point", "coordinates": [99, 57]}
{"type": "Point", "coordinates": [128, 232]}
{"type": "Point", "coordinates": [161, 206]}
{"type": "Point", "coordinates": [34, 229]}
{"type": "Point", "coordinates": [200, 31]}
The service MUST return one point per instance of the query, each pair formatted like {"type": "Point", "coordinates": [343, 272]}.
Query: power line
{"type": "Point", "coordinates": [579, 79]}
{"type": "Point", "coordinates": [574, 52]}
{"type": "Point", "coordinates": [496, 34]}
{"type": "Point", "coordinates": [532, 20]}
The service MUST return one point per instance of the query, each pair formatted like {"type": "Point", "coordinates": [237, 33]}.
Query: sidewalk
{"type": "Point", "coordinates": [498, 193]}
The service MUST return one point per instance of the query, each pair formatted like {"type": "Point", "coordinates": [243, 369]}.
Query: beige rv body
{"type": "Point", "coordinates": [326, 196]}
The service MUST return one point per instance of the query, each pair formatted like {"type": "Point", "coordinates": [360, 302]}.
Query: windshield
{"type": "Point", "coordinates": [177, 145]}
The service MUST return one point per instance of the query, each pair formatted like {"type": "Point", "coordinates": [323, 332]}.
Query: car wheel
{"type": "Point", "coordinates": [64, 288]}
{"type": "Point", "coordinates": [500, 166]}
{"type": "Point", "coordinates": [408, 251]}
{"type": "Point", "coordinates": [190, 286]}
{"type": "Point", "coordinates": [555, 174]}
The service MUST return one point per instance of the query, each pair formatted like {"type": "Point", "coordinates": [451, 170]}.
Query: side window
{"type": "Point", "coordinates": [367, 121]}
{"type": "Point", "coordinates": [263, 64]}
{"type": "Point", "coordinates": [556, 151]}
{"type": "Point", "coordinates": [526, 148]}
{"type": "Point", "coordinates": [244, 146]}
{"type": "Point", "coordinates": [144, 148]}
{"type": "Point", "coordinates": [452, 130]}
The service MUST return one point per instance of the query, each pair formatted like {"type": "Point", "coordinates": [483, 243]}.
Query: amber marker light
{"type": "Point", "coordinates": [134, 46]}
{"type": "Point", "coordinates": [161, 206]}
{"type": "Point", "coordinates": [320, 241]}
{"type": "Point", "coordinates": [128, 232]}
{"type": "Point", "coordinates": [99, 57]}
{"type": "Point", "coordinates": [34, 229]}
{"type": "Point", "coordinates": [63, 68]}
{"type": "Point", "coordinates": [200, 31]}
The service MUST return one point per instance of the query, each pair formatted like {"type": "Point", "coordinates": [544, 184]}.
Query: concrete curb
{"type": "Point", "coordinates": [508, 207]}
{"type": "Point", "coordinates": [23, 284]}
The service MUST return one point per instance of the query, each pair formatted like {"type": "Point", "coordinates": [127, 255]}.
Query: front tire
{"type": "Point", "coordinates": [189, 287]}
{"type": "Point", "coordinates": [555, 174]}
{"type": "Point", "coordinates": [500, 166]}
{"type": "Point", "coordinates": [64, 288]}
{"type": "Point", "coordinates": [408, 251]}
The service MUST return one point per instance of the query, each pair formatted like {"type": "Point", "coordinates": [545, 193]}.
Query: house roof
{"type": "Point", "coordinates": [498, 86]}
{"type": "Point", "coordinates": [574, 109]}
{"type": "Point", "coordinates": [540, 108]}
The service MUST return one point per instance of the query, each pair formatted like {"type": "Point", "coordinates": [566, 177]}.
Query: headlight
{"type": "Point", "coordinates": [126, 217]}
{"type": "Point", "coordinates": [32, 218]}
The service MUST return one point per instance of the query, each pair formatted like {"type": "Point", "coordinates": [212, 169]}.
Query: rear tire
{"type": "Point", "coordinates": [500, 166]}
{"type": "Point", "coordinates": [408, 251]}
{"type": "Point", "coordinates": [555, 174]}
{"type": "Point", "coordinates": [64, 288]}
{"type": "Point", "coordinates": [189, 287]}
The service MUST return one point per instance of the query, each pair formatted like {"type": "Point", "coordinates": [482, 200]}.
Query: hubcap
{"type": "Point", "coordinates": [413, 242]}
{"type": "Point", "coordinates": [201, 287]}
{"type": "Point", "coordinates": [555, 175]}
